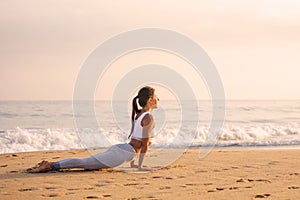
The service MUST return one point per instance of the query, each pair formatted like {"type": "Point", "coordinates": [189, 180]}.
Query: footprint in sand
{"type": "Point", "coordinates": [249, 166]}
{"type": "Point", "coordinates": [293, 188]}
{"type": "Point", "coordinates": [191, 184]}
{"type": "Point", "coordinates": [3, 165]}
{"type": "Point", "coordinates": [96, 197]}
{"type": "Point", "coordinates": [71, 189]}
{"type": "Point", "coordinates": [220, 188]}
{"type": "Point", "coordinates": [100, 185]}
{"type": "Point", "coordinates": [27, 189]}
{"type": "Point", "coordinates": [173, 166]}
{"type": "Point", "coordinates": [201, 171]}
{"type": "Point", "coordinates": [51, 195]}
{"type": "Point", "coordinates": [50, 188]}
{"type": "Point", "coordinates": [92, 197]}
{"type": "Point", "coordinates": [130, 184]}
{"type": "Point", "coordinates": [69, 193]}
{"type": "Point", "coordinates": [242, 180]}
{"type": "Point", "coordinates": [217, 189]}
{"type": "Point", "coordinates": [262, 196]}
{"type": "Point", "coordinates": [211, 190]}
{"type": "Point", "coordinates": [89, 188]}
{"type": "Point", "coordinates": [151, 197]}
{"type": "Point", "coordinates": [165, 188]}
{"type": "Point", "coordinates": [294, 174]}
{"type": "Point", "coordinates": [236, 188]}
{"type": "Point", "coordinates": [263, 180]}
{"type": "Point", "coordinates": [155, 177]}
{"type": "Point", "coordinates": [273, 163]}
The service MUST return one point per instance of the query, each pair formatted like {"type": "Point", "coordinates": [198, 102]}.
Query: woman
{"type": "Point", "coordinates": [142, 125]}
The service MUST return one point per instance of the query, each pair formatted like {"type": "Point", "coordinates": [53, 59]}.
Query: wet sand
{"type": "Point", "coordinates": [225, 173]}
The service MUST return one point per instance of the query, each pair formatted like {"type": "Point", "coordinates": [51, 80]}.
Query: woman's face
{"type": "Point", "coordinates": [153, 101]}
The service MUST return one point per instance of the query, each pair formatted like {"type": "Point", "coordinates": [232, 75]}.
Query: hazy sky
{"type": "Point", "coordinates": [254, 44]}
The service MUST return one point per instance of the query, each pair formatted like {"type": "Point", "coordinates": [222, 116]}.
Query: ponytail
{"type": "Point", "coordinates": [135, 110]}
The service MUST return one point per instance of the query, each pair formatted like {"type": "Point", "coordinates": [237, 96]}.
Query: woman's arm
{"type": "Point", "coordinates": [144, 149]}
{"type": "Point", "coordinates": [147, 124]}
{"type": "Point", "coordinates": [132, 162]}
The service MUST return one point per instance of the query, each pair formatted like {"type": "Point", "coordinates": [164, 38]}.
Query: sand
{"type": "Point", "coordinates": [226, 173]}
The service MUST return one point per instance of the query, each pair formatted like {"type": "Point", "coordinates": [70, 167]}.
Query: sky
{"type": "Point", "coordinates": [254, 44]}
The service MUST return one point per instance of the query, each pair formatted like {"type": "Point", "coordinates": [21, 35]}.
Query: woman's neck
{"type": "Point", "coordinates": [147, 109]}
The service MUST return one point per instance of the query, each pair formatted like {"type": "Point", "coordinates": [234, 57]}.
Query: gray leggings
{"type": "Point", "coordinates": [114, 156]}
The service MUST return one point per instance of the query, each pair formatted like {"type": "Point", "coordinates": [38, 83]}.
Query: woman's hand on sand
{"type": "Point", "coordinates": [142, 169]}
{"type": "Point", "coordinates": [132, 165]}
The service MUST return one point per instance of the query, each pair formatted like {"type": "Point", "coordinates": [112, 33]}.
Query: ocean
{"type": "Point", "coordinates": [50, 125]}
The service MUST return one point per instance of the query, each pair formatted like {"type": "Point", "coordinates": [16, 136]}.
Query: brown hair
{"type": "Point", "coordinates": [143, 95]}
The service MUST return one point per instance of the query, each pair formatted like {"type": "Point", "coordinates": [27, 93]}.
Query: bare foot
{"type": "Point", "coordinates": [44, 167]}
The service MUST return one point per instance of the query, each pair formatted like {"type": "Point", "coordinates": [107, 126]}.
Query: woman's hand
{"type": "Point", "coordinates": [132, 165]}
{"type": "Point", "coordinates": [144, 169]}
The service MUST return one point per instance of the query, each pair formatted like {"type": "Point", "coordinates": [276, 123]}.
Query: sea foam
{"type": "Point", "coordinates": [22, 140]}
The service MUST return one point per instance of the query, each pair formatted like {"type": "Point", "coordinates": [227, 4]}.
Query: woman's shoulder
{"type": "Point", "coordinates": [147, 119]}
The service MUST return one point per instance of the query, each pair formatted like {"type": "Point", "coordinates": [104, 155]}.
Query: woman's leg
{"type": "Point", "coordinates": [114, 156]}
{"type": "Point", "coordinates": [86, 163]}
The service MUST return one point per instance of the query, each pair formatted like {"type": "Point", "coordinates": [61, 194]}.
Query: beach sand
{"type": "Point", "coordinates": [225, 173]}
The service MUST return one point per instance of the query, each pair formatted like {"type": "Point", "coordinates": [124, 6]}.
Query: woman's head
{"type": "Point", "coordinates": [146, 98]}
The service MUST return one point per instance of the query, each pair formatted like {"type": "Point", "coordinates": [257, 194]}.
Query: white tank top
{"type": "Point", "coordinates": [137, 127]}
